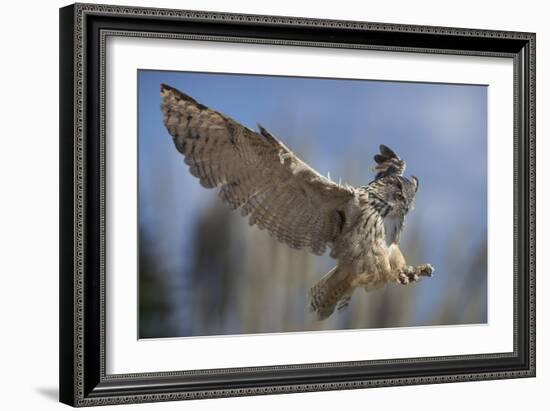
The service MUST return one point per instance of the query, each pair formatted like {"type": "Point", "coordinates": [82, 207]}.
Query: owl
{"type": "Point", "coordinates": [256, 173]}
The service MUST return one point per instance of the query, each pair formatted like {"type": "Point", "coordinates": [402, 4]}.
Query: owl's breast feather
{"type": "Point", "coordinates": [392, 228]}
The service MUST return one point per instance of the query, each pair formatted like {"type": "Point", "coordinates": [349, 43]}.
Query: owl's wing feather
{"type": "Point", "coordinates": [256, 173]}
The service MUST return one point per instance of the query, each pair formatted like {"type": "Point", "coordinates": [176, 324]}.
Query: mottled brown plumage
{"type": "Point", "coordinates": [279, 192]}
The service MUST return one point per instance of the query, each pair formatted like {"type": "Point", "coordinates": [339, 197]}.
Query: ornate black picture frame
{"type": "Point", "coordinates": [83, 30]}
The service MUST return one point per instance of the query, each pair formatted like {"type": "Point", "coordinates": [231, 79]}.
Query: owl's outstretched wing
{"type": "Point", "coordinates": [256, 173]}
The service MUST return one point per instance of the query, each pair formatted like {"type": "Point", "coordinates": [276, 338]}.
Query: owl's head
{"type": "Point", "coordinates": [395, 190]}
{"type": "Point", "coordinates": [398, 194]}
{"type": "Point", "coordinates": [405, 193]}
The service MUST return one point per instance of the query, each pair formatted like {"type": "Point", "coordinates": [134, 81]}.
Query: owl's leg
{"type": "Point", "coordinates": [403, 273]}
{"type": "Point", "coordinates": [397, 261]}
{"type": "Point", "coordinates": [329, 290]}
{"type": "Point", "coordinates": [373, 270]}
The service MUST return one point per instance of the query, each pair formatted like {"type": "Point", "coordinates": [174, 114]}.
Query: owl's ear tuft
{"type": "Point", "coordinates": [415, 183]}
{"type": "Point", "coordinates": [379, 158]}
{"type": "Point", "coordinates": [388, 152]}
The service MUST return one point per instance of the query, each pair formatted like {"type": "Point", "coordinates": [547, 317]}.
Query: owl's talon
{"type": "Point", "coordinates": [428, 270]}
{"type": "Point", "coordinates": [403, 278]}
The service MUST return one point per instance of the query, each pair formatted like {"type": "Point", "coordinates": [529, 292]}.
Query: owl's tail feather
{"type": "Point", "coordinates": [328, 291]}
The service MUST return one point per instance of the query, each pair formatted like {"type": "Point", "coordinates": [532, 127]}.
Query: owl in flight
{"type": "Point", "coordinates": [299, 207]}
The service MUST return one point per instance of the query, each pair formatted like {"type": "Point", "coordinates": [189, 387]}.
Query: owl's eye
{"type": "Point", "coordinates": [399, 196]}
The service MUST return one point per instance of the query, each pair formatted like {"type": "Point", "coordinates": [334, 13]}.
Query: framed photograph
{"type": "Point", "coordinates": [261, 204]}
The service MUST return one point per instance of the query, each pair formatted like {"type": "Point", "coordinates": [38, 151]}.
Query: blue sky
{"type": "Point", "coordinates": [335, 126]}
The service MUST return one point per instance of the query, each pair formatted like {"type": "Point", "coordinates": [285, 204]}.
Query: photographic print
{"type": "Point", "coordinates": [272, 204]}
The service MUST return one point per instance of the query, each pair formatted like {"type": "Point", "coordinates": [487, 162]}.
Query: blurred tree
{"type": "Point", "coordinates": [154, 301]}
